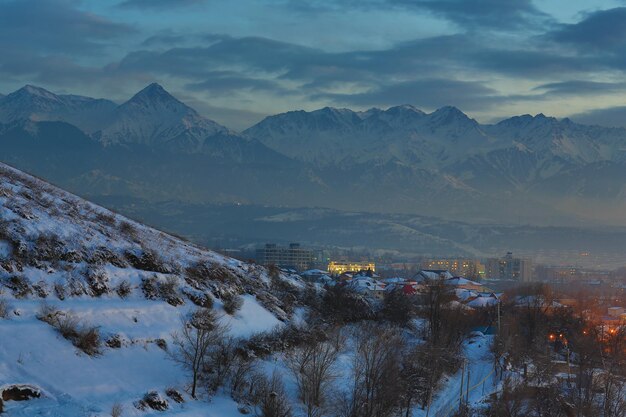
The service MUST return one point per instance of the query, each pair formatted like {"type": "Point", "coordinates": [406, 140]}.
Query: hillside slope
{"type": "Point", "coordinates": [130, 281]}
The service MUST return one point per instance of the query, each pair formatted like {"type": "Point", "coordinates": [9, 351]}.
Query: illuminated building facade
{"type": "Point", "coordinates": [338, 268]}
{"type": "Point", "coordinates": [469, 268]}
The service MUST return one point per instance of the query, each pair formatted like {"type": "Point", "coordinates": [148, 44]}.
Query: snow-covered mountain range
{"type": "Point", "coordinates": [444, 163]}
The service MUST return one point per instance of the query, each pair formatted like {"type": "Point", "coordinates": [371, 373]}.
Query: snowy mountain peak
{"type": "Point", "coordinates": [404, 107]}
{"type": "Point", "coordinates": [154, 117]}
{"type": "Point", "coordinates": [155, 94]}
{"type": "Point", "coordinates": [449, 116]}
{"type": "Point", "coordinates": [31, 94]}
{"type": "Point", "coordinates": [36, 91]}
{"type": "Point", "coordinates": [449, 112]}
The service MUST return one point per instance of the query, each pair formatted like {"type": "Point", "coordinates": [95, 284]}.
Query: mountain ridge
{"type": "Point", "coordinates": [410, 160]}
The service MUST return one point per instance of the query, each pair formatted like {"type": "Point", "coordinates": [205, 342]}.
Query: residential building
{"type": "Point", "coordinates": [432, 274]}
{"type": "Point", "coordinates": [470, 268]}
{"type": "Point", "coordinates": [509, 268]}
{"type": "Point", "coordinates": [293, 256]}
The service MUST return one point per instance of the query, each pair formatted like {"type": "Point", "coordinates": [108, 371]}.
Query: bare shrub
{"type": "Point", "coordinates": [202, 273]}
{"type": "Point", "coordinates": [200, 299]}
{"type": "Point", "coordinates": [5, 309]}
{"type": "Point", "coordinates": [343, 305]}
{"type": "Point", "coordinates": [59, 290]}
{"type": "Point", "coordinates": [68, 326]}
{"type": "Point", "coordinates": [282, 338]}
{"type": "Point", "coordinates": [88, 340]}
{"type": "Point", "coordinates": [41, 289]}
{"type": "Point", "coordinates": [168, 291]}
{"type": "Point", "coordinates": [116, 410]}
{"type": "Point", "coordinates": [232, 303]}
{"type": "Point", "coordinates": [153, 288]}
{"type": "Point", "coordinates": [284, 290]}
{"type": "Point", "coordinates": [73, 256]}
{"type": "Point", "coordinates": [47, 313]}
{"type": "Point", "coordinates": [105, 218]}
{"type": "Point", "coordinates": [103, 255]}
{"type": "Point", "coordinates": [20, 286]}
{"type": "Point", "coordinates": [85, 338]}
{"type": "Point", "coordinates": [270, 397]}
{"type": "Point", "coordinates": [48, 247]}
{"type": "Point", "coordinates": [154, 401]}
{"type": "Point", "coordinates": [98, 281]}
{"type": "Point", "coordinates": [128, 230]}
{"type": "Point", "coordinates": [148, 260]}
{"type": "Point", "coordinates": [150, 287]}
{"type": "Point", "coordinates": [175, 395]}
{"type": "Point", "coordinates": [123, 289]}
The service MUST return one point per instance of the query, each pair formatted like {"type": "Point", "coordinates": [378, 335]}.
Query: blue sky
{"type": "Point", "coordinates": [237, 61]}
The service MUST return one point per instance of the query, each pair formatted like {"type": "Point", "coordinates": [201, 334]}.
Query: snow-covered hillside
{"type": "Point", "coordinates": [59, 252]}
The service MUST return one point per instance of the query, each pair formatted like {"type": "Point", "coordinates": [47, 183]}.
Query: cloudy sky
{"type": "Point", "coordinates": [236, 61]}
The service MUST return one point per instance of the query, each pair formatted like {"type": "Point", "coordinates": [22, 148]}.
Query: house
{"type": "Point", "coordinates": [466, 284]}
{"type": "Point", "coordinates": [483, 300]}
{"type": "Point", "coordinates": [406, 287]}
{"type": "Point", "coordinates": [368, 286]}
{"type": "Point", "coordinates": [432, 274]}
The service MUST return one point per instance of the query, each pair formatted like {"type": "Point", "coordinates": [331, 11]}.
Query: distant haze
{"type": "Point", "coordinates": [395, 179]}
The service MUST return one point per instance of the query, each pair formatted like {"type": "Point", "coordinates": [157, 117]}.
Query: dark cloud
{"type": "Point", "coordinates": [232, 60]}
{"type": "Point", "coordinates": [250, 54]}
{"type": "Point", "coordinates": [531, 62]}
{"type": "Point", "coordinates": [40, 26]}
{"type": "Point", "coordinates": [431, 92]}
{"type": "Point", "coordinates": [611, 117]}
{"type": "Point", "coordinates": [225, 82]}
{"type": "Point", "coordinates": [581, 87]}
{"type": "Point", "coordinates": [482, 14]}
{"type": "Point", "coordinates": [471, 14]}
{"type": "Point", "coordinates": [601, 30]}
{"type": "Point", "coordinates": [159, 4]}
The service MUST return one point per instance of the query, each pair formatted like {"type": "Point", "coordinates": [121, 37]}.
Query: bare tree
{"type": "Point", "coordinates": [313, 366]}
{"type": "Point", "coordinates": [270, 397]}
{"type": "Point", "coordinates": [193, 343]}
{"type": "Point", "coordinates": [376, 370]}
{"type": "Point", "coordinates": [220, 361]}
{"type": "Point", "coordinates": [243, 369]}
{"type": "Point", "coordinates": [437, 296]}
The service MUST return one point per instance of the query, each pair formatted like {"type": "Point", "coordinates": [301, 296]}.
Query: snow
{"type": "Point", "coordinates": [250, 319]}
{"type": "Point", "coordinates": [481, 369]}
{"type": "Point", "coordinates": [73, 383]}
